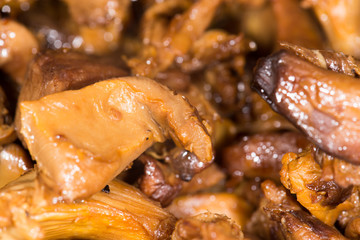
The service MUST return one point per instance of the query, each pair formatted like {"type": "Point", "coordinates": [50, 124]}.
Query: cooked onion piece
{"type": "Point", "coordinates": [14, 161]}
{"type": "Point", "coordinates": [120, 211]}
{"type": "Point", "coordinates": [82, 139]}
{"type": "Point", "coordinates": [15, 53]}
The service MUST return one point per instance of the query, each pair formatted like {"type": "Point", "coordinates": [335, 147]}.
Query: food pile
{"type": "Point", "coordinates": [179, 119]}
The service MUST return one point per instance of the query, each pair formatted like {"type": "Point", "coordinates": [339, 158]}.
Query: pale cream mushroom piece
{"type": "Point", "coordinates": [82, 139]}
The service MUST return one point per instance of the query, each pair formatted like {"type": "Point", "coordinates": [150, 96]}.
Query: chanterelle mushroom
{"type": "Point", "coordinates": [82, 139]}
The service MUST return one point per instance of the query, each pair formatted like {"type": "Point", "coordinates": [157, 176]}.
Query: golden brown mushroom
{"type": "Point", "coordinates": [324, 198]}
{"type": "Point", "coordinates": [14, 162]}
{"type": "Point", "coordinates": [55, 71]}
{"type": "Point", "coordinates": [15, 53]}
{"type": "Point", "coordinates": [340, 20]}
{"type": "Point", "coordinates": [288, 14]}
{"type": "Point", "coordinates": [207, 226]}
{"type": "Point", "coordinates": [222, 203]}
{"type": "Point", "coordinates": [82, 139]}
{"type": "Point", "coordinates": [120, 211]}
{"type": "Point", "coordinates": [100, 23]}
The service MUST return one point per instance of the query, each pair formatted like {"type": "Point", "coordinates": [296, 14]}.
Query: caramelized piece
{"type": "Point", "coordinates": [260, 155]}
{"type": "Point", "coordinates": [280, 217]}
{"type": "Point", "coordinates": [14, 161]}
{"type": "Point", "coordinates": [100, 23]}
{"type": "Point", "coordinates": [260, 224]}
{"type": "Point", "coordinates": [207, 226]}
{"type": "Point", "coordinates": [221, 203]}
{"type": "Point", "coordinates": [179, 35]}
{"type": "Point", "coordinates": [155, 21]}
{"type": "Point", "coordinates": [343, 173]}
{"type": "Point", "coordinates": [122, 212]}
{"type": "Point", "coordinates": [302, 175]}
{"type": "Point", "coordinates": [340, 20]}
{"type": "Point", "coordinates": [53, 72]}
{"type": "Point", "coordinates": [15, 53]}
{"type": "Point", "coordinates": [321, 103]}
{"type": "Point", "coordinates": [299, 225]}
{"type": "Point", "coordinates": [223, 84]}
{"type": "Point", "coordinates": [158, 181]}
{"type": "Point", "coordinates": [288, 14]}
{"type": "Point", "coordinates": [214, 46]}
{"type": "Point", "coordinates": [82, 139]}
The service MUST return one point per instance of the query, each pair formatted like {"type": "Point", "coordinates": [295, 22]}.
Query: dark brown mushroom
{"type": "Point", "coordinates": [321, 103]}
{"type": "Point", "coordinates": [260, 155]}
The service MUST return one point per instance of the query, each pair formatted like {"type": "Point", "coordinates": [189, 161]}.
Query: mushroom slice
{"type": "Point", "coordinates": [207, 226]}
{"type": "Point", "coordinates": [16, 53]}
{"type": "Point", "coordinates": [82, 139]}
{"type": "Point", "coordinates": [14, 162]}
{"type": "Point", "coordinates": [119, 211]}
{"type": "Point", "coordinates": [52, 72]}
{"type": "Point", "coordinates": [340, 21]}
{"type": "Point", "coordinates": [228, 204]}
{"type": "Point", "coordinates": [321, 103]}
{"type": "Point", "coordinates": [289, 13]}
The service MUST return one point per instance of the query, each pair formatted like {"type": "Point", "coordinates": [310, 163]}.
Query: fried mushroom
{"type": "Point", "coordinates": [340, 20]}
{"type": "Point", "coordinates": [207, 226]}
{"type": "Point", "coordinates": [288, 13]}
{"type": "Point", "coordinates": [325, 199]}
{"type": "Point", "coordinates": [260, 155]}
{"type": "Point", "coordinates": [15, 53]}
{"type": "Point", "coordinates": [227, 204]}
{"type": "Point", "coordinates": [160, 183]}
{"type": "Point", "coordinates": [280, 217]}
{"type": "Point", "coordinates": [321, 103]}
{"type": "Point", "coordinates": [100, 23]}
{"type": "Point", "coordinates": [53, 72]}
{"type": "Point", "coordinates": [178, 36]}
{"type": "Point", "coordinates": [14, 161]}
{"type": "Point", "coordinates": [104, 127]}
{"type": "Point", "coordinates": [122, 212]}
